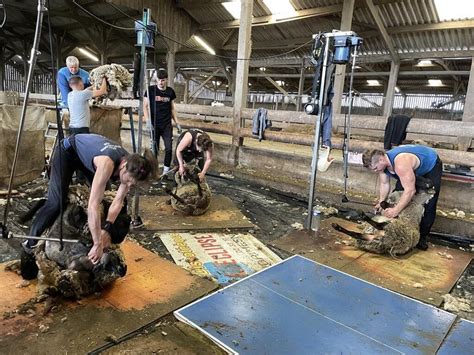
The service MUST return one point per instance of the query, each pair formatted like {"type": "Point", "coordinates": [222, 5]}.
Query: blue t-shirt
{"type": "Point", "coordinates": [426, 155]}
{"type": "Point", "coordinates": [79, 110]}
{"type": "Point", "coordinates": [63, 82]}
{"type": "Point", "coordinates": [89, 146]}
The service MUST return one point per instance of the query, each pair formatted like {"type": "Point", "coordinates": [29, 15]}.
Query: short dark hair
{"type": "Point", "coordinates": [204, 141]}
{"type": "Point", "coordinates": [140, 167]}
{"type": "Point", "coordinates": [162, 74]}
{"type": "Point", "coordinates": [76, 79]}
{"type": "Point", "coordinates": [369, 155]}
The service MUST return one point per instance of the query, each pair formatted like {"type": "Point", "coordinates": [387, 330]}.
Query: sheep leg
{"type": "Point", "coordinates": [356, 235]}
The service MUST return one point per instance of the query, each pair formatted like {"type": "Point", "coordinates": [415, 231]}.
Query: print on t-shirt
{"type": "Point", "coordinates": [162, 99]}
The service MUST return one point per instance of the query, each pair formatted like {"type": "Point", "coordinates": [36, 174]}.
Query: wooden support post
{"type": "Point", "coordinates": [464, 143]}
{"type": "Point", "coordinates": [346, 24]}
{"type": "Point", "coordinates": [186, 89]}
{"type": "Point", "coordinates": [3, 63]}
{"type": "Point", "coordinates": [241, 79]}
{"type": "Point", "coordinates": [170, 61]}
{"type": "Point", "coordinates": [390, 93]}
{"type": "Point", "coordinates": [468, 114]}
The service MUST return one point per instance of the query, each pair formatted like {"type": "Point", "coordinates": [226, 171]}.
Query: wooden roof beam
{"type": "Point", "coordinates": [378, 20]}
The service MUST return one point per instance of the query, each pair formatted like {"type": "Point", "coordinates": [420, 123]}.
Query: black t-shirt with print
{"type": "Point", "coordinates": [160, 105]}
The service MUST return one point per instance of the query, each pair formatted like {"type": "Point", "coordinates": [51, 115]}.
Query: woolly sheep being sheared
{"type": "Point", "coordinates": [191, 196]}
{"type": "Point", "coordinates": [118, 79]}
{"type": "Point", "coordinates": [399, 235]}
{"type": "Point", "coordinates": [69, 271]}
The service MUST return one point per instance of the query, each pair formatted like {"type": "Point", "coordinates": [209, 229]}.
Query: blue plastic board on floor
{"type": "Point", "coordinates": [302, 307]}
{"type": "Point", "coordinates": [460, 339]}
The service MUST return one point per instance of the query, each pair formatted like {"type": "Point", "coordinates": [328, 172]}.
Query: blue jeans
{"type": "Point", "coordinates": [327, 125]}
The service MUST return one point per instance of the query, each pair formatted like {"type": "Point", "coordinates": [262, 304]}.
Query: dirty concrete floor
{"type": "Point", "coordinates": [272, 212]}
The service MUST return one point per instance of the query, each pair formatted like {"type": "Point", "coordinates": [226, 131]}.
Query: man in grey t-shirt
{"type": "Point", "coordinates": [78, 101]}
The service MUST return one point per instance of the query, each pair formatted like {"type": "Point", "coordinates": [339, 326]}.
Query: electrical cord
{"type": "Point", "coordinates": [4, 13]}
{"type": "Point", "coordinates": [180, 43]}
{"type": "Point", "coordinates": [101, 20]}
{"type": "Point", "coordinates": [60, 134]}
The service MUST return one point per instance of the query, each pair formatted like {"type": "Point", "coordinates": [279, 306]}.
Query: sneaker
{"type": "Point", "coordinates": [29, 269]}
{"type": "Point", "coordinates": [137, 223]}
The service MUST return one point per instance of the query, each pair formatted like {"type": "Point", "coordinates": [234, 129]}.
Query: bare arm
{"type": "Point", "coordinates": [208, 161]}
{"type": "Point", "coordinates": [174, 114]}
{"type": "Point", "coordinates": [146, 108]}
{"type": "Point", "coordinates": [185, 142]}
{"type": "Point", "coordinates": [102, 90]}
{"type": "Point", "coordinates": [117, 203]}
{"type": "Point", "coordinates": [404, 165]}
{"type": "Point", "coordinates": [384, 186]}
{"type": "Point", "coordinates": [104, 169]}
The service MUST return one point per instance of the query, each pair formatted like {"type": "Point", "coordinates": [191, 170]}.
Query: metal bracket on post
{"type": "Point", "coordinates": [33, 56]}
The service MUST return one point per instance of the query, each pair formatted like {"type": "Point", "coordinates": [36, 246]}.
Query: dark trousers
{"type": "Point", "coordinates": [80, 178]}
{"type": "Point", "coordinates": [167, 134]}
{"type": "Point", "coordinates": [79, 130]}
{"type": "Point", "coordinates": [64, 163]}
{"type": "Point", "coordinates": [430, 208]}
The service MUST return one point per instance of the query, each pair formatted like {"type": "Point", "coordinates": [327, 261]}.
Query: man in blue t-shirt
{"type": "Point", "coordinates": [405, 163]}
{"type": "Point", "coordinates": [65, 73]}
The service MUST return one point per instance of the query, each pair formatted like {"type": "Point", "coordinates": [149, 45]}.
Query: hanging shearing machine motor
{"type": "Point", "coordinates": [329, 49]}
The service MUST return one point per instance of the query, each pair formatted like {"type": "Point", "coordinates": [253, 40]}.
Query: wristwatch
{"type": "Point", "coordinates": [107, 226]}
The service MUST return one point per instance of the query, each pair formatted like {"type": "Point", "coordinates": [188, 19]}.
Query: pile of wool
{"type": "Point", "coordinates": [118, 79]}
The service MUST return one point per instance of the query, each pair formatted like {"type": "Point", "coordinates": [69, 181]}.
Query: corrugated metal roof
{"type": "Point", "coordinates": [396, 15]}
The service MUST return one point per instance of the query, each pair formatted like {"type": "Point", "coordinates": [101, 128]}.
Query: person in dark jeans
{"type": "Point", "coordinates": [100, 159]}
{"type": "Point", "coordinates": [160, 107]}
{"type": "Point", "coordinates": [405, 163]}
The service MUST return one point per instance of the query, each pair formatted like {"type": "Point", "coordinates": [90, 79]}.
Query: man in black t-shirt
{"type": "Point", "coordinates": [159, 103]}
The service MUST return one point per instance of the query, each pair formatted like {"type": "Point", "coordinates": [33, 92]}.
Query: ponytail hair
{"type": "Point", "coordinates": [204, 141]}
{"type": "Point", "coordinates": [141, 167]}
